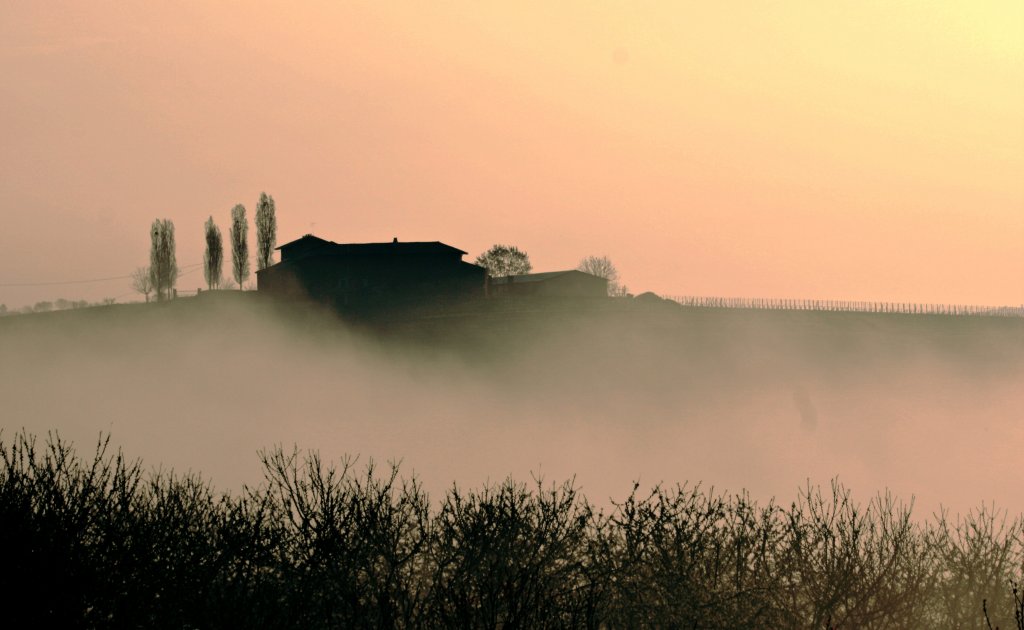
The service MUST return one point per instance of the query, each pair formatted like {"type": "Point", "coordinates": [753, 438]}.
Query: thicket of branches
{"type": "Point", "coordinates": [97, 541]}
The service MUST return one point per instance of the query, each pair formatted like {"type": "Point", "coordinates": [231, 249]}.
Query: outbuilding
{"type": "Point", "coordinates": [571, 283]}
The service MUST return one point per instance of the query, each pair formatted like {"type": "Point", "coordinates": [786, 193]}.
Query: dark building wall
{"type": "Point", "coordinates": [576, 285]}
{"type": "Point", "coordinates": [369, 280]}
{"type": "Point", "coordinates": [569, 284]}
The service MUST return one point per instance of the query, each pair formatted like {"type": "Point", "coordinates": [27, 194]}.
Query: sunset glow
{"type": "Point", "coordinates": [865, 151]}
{"type": "Point", "coordinates": [459, 314]}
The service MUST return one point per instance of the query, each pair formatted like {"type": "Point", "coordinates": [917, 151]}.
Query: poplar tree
{"type": "Point", "coordinates": [266, 231]}
{"type": "Point", "coordinates": [213, 259]}
{"type": "Point", "coordinates": [239, 245]}
{"type": "Point", "coordinates": [163, 267]}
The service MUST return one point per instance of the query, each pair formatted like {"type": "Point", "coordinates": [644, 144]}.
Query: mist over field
{"type": "Point", "coordinates": [927, 406]}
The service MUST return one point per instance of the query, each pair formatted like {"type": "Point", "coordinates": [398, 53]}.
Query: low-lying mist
{"type": "Point", "coordinates": [926, 406]}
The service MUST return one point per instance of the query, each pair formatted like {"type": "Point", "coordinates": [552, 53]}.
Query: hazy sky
{"type": "Point", "coordinates": [860, 150]}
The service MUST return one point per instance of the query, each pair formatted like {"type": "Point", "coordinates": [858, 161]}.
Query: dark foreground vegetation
{"type": "Point", "coordinates": [98, 542]}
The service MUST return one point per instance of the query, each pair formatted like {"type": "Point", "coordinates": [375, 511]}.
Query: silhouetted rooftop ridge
{"type": "Point", "coordinates": [310, 246]}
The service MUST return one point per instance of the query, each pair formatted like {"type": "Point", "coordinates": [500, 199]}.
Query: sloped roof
{"type": "Point", "coordinates": [306, 239]}
{"type": "Point", "coordinates": [322, 246]}
{"type": "Point", "coordinates": [538, 277]}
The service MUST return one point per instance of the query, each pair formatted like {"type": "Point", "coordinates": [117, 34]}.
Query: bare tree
{"type": "Point", "coordinates": [618, 290]}
{"type": "Point", "coordinates": [239, 245]}
{"type": "Point", "coordinates": [213, 259]}
{"type": "Point", "coordinates": [163, 267]}
{"type": "Point", "coordinates": [266, 231]}
{"type": "Point", "coordinates": [142, 282]}
{"type": "Point", "coordinates": [504, 260]}
{"type": "Point", "coordinates": [602, 267]}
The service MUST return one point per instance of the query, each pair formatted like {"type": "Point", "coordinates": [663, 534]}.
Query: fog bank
{"type": "Point", "coordinates": [926, 406]}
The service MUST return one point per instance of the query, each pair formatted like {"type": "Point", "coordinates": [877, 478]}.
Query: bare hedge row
{"type": "Point", "coordinates": [99, 543]}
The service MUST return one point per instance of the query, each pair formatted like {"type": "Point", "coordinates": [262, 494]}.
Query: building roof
{"type": "Point", "coordinates": [317, 245]}
{"type": "Point", "coordinates": [306, 239]}
{"type": "Point", "coordinates": [313, 259]}
{"type": "Point", "coordinates": [538, 277]}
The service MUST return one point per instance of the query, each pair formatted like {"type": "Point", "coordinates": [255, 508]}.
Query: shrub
{"type": "Point", "coordinates": [97, 543]}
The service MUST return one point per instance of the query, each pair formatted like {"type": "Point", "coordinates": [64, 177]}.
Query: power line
{"type": "Point", "coordinates": [123, 295]}
{"type": "Point", "coordinates": [49, 284]}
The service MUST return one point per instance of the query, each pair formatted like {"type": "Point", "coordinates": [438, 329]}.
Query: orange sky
{"type": "Point", "coordinates": [859, 150]}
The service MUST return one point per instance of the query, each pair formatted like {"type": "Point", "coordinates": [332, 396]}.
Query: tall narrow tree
{"type": "Point", "coordinates": [266, 231]}
{"type": "Point", "coordinates": [154, 257]}
{"type": "Point", "coordinates": [239, 245]}
{"type": "Point", "coordinates": [163, 267]}
{"type": "Point", "coordinates": [213, 259]}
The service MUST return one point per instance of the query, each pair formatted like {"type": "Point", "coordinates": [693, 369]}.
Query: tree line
{"type": "Point", "coordinates": [160, 277]}
{"type": "Point", "coordinates": [94, 541]}
{"type": "Point", "coordinates": [60, 304]}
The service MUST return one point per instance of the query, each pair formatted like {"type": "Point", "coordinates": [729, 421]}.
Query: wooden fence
{"type": "Point", "coordinates": [847, 306]}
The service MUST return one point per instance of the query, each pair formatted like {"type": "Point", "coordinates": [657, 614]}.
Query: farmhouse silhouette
{"type": "Point", "coordinates": [367, 275]}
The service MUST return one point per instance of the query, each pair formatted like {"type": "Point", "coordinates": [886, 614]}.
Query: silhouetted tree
{"type": "Point", "coordinates": [239, 245]}
{"type": "Point", "coordinates": [602, 267]}
{"type": "Point", "coordinates": [163, 267]}
{"type": "Point", "coordinates": [505, 260]}
{"type": "Point", "coordinates": [142, 282]}
{"type": "Point", "coordinates": [266, 231]}
{"type": "Point", "coordinates": [213, 259]}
